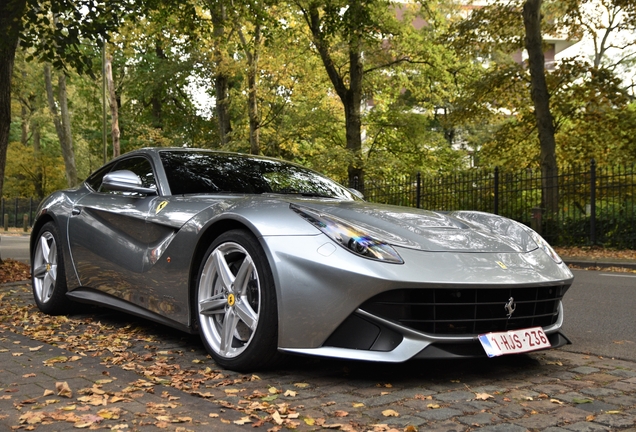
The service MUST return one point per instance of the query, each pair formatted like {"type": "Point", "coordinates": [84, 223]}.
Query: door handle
{"type": "Point", "coordinates": [76, 211]}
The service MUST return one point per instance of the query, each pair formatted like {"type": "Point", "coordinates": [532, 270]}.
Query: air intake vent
{"type": "Point", "coordinates": [445, 311]}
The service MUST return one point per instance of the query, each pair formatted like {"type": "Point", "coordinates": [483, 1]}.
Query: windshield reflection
{"type": "Point", "coordinates": [208, 172]}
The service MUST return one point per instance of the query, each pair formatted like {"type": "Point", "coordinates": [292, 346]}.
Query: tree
{"type": "Point", "coordinates": [541, 100]}
{"type": "Point", "coordinates": [608, 28]}
{"type": "Point", "coordinates": [11, 12]}
{"type": "Point", "coordinates": [28, 21]}
{"type": "Point", "coordinates": [114, 109]}
{"type": "Point", "coordinates": [62, 122]}
{"type": "Point", "coordinates": [353, 25]}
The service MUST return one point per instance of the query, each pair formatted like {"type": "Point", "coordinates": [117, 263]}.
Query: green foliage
{"type": "Point", "coordinates": [24, 169]}
{"type": "Point", "coordinates": [440, 90]}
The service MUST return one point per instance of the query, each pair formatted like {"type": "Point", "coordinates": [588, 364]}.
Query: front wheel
{"type": "Point", "coordinates": [47, 273]}
{"type": "Point", "coordinates": [236, 303]}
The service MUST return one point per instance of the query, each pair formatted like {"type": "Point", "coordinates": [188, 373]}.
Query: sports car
{"type": "Point", "coordinates": [263, 257]}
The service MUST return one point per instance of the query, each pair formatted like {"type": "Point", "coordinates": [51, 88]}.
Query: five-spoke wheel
{"type": "Point", "coordinates": [47, 270]}
{"type": "Point", "coordinates": [236, 303]}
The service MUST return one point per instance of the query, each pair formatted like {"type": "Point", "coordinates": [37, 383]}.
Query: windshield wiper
{"type": "Point", "coordinates": [302, 193]}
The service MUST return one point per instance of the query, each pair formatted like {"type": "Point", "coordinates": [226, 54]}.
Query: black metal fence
{"type": "Point", "coordinates": [596, 204]}
{"type": "Point", "coordinates": [15, 210]}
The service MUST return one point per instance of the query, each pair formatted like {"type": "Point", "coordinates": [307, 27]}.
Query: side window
{"type": "Point", "coordinates": [95, 179]}
{"type": "Point", "coordinates": [140, 166]}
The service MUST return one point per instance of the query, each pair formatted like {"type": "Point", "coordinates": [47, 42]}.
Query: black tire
{"type": "Point", "coordinates": [48, 277]}
{"type": "Point", "coordinates": [235, 304]}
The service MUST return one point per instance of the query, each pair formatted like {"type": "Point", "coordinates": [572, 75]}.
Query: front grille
{"type": "Point", "coordinates": [449, 311]}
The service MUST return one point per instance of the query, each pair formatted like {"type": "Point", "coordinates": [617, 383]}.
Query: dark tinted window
{"type": "Point", "coordinates": [140, 166]}
{"type": "Point", "coordinates": [209, 172]}
{"type": "Point", "coordinates": [95, 179]}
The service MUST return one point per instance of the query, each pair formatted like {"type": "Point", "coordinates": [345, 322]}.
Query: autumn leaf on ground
{"type": "Point", "coordinates": [590, 418]}
{"type": "Point", "coordinates": [483, 396]}
{"type": "Point", "coordinates": [32, 417]}
{"type": "Point", "coordinates": [301, 385]}
{"type": "Point", "coordinates": [290, 393]}
{"type": "Point", "coordinates": [277, 418]}
{"type": "Point", "coordinates": [243, 420]}
{"type": "Point", "coordinates": [63, 389]}
{"type": "Point", "coordinates": [340, 413]}
{"type": "Point", "coordinates": [390, 413]}
{"type": "Point", "coordinates": [37, 348]}
{"type": "Point", "coordinates": [556, 401]}
{"type": "Point", "coordinates": [58, 359]}
{"type": "Point", "coordinates": [87, 420]}
{"type": "Point", "coordinates": [432, 406]}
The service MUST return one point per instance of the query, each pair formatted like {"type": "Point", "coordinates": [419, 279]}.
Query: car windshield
{"type": "Point", "coordinates": [203, 172]}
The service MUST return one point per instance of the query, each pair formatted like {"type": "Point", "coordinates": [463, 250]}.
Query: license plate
{"type": "Point", "coordinates": [514, 341]}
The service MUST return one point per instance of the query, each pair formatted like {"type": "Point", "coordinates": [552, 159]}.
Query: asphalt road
{"type": "Point", "coordinates": [600, 314]}
{"type": "Point", "coordinates": [16, 247]}
{"type": "Point", "coordinates": [600, 307]}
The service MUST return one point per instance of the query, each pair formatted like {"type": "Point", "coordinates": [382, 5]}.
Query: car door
{"type": "Point", "coordinates": [109, 236]}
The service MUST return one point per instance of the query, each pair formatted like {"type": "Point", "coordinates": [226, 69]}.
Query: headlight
{"type": "Point", "coordinates": [352, 238]}
{"type": "Point", "coordinates": [545, 246]}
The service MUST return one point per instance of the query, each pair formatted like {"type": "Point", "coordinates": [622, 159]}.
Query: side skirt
{"type": "Point", "coordinates": [95, 297]}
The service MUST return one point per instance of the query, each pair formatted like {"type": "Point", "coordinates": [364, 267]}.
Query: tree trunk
{"type": "Point", "coordinates": [38, 181]}
{"type": "Point", "coordinates": [62, 122]}
{"type": "Point", "coordinates": [541, 100]}
{"type": "Point", "coordinates": [24, 116]}
{"type": "Point", "coordinates": [114, 112]}
{"type": "Point", "coordinates": [11, 12]}
{"type": "Point", "coordinates": [252, 84]}
{"type": "Point", "coordinates": [351, 97]}
{"type": "Point", "coordinates": [156, 100]}
{"type": "Point", "coordinates": [221, 79]}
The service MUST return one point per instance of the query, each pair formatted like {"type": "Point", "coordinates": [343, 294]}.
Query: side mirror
{"type": "Point", "coordinates": [125, 181]}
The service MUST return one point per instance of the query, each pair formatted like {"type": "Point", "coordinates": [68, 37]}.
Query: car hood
{"type": "Point", "coordinates": [431, 231]}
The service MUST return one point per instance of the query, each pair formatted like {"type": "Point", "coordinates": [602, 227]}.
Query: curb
{"type": "Point", "coordinates": [601, 264]}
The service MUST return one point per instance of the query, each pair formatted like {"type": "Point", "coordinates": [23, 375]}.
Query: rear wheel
{"type": "Point", "coordinates": [236, 303]}
{"type": "Point", "coordinates": [47, 273]}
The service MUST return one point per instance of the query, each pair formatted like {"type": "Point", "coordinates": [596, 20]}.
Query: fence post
{"type": "Point", "coordinates": [496, 191]}
{"type": "Point", "coordinates": [593, 202]}
{"type": "Point", "coordinates": [30, 210]}
{"type": "Point", "coordinates": [418, 190]}
{"type": "Point", "coordinates": [15, 220]}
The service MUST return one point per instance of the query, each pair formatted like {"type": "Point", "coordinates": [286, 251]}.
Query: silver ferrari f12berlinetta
{"type": "Point", "coordinates": [263, 257]}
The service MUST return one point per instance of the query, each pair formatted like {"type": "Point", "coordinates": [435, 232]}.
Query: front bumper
{"type": "Point", "coordinates": [320, 285]}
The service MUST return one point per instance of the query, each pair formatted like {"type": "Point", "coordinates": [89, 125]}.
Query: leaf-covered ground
{"type": "Point", "coordinates": [14, 271]}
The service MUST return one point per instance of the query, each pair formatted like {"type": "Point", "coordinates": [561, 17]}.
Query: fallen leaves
{"type": "Point", "coordinates": [63, 389]}
{"type": "Point", "coordinates": [14, 271]}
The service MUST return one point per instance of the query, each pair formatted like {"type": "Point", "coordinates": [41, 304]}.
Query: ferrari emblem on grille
{"type": "Point", "coordinates": [510, 307]}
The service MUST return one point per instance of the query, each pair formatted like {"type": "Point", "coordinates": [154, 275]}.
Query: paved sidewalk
{"type": "Point", "coordinates": [166, 382]}
{"type": "Point", "coordinates": [600, 262]}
